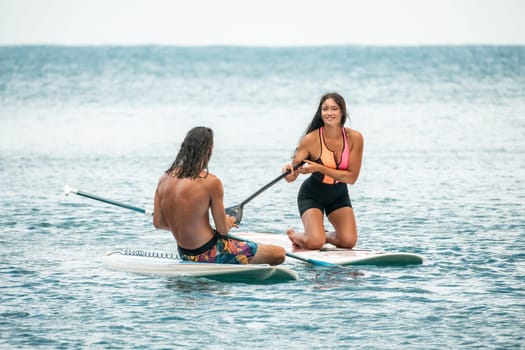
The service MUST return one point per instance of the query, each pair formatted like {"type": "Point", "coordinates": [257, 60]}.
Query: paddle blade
{"type": "Point", "coordinates": [236, 212]}
{"type": "Point", "coordinates": [320, 263]}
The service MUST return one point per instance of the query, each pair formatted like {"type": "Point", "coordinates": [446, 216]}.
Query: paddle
{"type": "Point", "coordinates": [309, 260]}
{"type": "Point", "coordinates": [68, 190]}
{"type": "Point", "coordinates": [236, 211]}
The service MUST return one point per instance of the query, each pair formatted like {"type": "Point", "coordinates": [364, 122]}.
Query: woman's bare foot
{"type": "Point", "coordinates": [292, 236]}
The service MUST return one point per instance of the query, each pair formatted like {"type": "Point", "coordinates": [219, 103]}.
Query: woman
{"type": "Point", "coordinates": [333, 155]}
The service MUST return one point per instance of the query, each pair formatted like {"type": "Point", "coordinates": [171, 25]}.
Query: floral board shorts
{"type": "Point", "coordinates": [221, 250]}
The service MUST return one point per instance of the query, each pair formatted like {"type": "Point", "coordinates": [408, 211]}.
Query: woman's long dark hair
{"type": "Point", "coordinates": [317, 121]}
{"type": "Point", "coordinates": [194, 154]}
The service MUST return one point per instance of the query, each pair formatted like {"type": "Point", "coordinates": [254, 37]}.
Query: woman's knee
{"type": "Point", "coordinates": [348, 240]}
{"type": "Point", "coordinates": [314, 242]}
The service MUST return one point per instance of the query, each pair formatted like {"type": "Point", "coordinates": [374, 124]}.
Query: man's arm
{"type": "Point", "coordinates": [158, 217]}
{"type": "Point", "coordinates": [223, 222]}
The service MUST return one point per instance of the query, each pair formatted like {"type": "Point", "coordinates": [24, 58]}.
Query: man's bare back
{"type": "Point", "coordinates": [184, 205]}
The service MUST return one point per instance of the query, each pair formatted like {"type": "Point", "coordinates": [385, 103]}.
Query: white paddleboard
{"type": "Point", "coordinates": [332, 255]}
{"type": "Point", "coordinates": [162, 265]}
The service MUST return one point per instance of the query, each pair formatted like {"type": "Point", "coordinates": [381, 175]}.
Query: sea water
{"type": "Point", "coordinates": [443, 176]}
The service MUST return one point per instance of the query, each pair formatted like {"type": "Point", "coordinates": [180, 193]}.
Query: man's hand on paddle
{"type": "Point", "coordinates": [230, 220]}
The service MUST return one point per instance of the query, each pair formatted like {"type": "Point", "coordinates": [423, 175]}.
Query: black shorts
{"type": "Point", "coordinates": [325, 197]}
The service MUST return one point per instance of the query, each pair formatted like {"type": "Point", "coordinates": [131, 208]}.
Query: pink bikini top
{"type": "Point", "coordinates": [328, 159]}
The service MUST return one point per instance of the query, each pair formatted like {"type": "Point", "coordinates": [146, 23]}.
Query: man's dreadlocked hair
{"type": "Point", "coordinates": [194, 154]}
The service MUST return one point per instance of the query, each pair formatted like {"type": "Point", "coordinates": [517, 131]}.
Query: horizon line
{"type": "Point", "coordinates": [257, 45]}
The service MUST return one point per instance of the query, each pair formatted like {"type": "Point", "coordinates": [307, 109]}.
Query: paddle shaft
{"type": "Point", "coordinates": [108, 201]}
{"type": "Point", "coordinates": [269, 184]}
{"type": "Point", "coordinates": [237, 210]}
{"type": "Point", "coordinates": [309, 260]}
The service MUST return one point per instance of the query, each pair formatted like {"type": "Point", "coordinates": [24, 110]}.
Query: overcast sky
{"type": "Point", "coordinates": [262, 22]}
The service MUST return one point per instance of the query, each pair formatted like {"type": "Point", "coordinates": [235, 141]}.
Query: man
{"type": "Point", "coordinates": [185, 194]}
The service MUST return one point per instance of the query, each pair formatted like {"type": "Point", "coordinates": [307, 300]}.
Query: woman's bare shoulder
{"type": "Point", "coordinates": [354, 135]}
{"type": "Point", "coordinates": [311, 137]}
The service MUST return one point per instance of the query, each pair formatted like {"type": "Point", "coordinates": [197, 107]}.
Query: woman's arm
{"type": "Point", "coordinates": [301, 153]}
